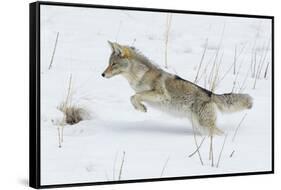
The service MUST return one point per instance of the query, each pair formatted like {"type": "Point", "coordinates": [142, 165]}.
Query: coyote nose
{"type": "Point", "coordinates": [102, 74]}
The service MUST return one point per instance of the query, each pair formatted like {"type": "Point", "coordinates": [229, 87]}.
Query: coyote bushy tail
{"type": "Point", "coordinates": [232, 102]}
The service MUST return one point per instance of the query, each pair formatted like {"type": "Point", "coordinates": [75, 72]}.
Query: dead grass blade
{"type": "Point", "coordinates": [164, 166]}
{"type": "Point", "coordinates": [211, 151]}
{"type": "Point", "coordinates": [201, 61]}
{"type": "Point", "coordinates": [221, 151]}
{"type": "Point", "coordinates": [193, 153]}
{"type": "Point", "coordinates": [121, 167]}
{"type": "Point", "coordinates": [196, 143]}
{"type": "Point", "coordinates": [168, 27]}
{"type": "Point", "coordinates": [232, 153]}
{"type": "Point", "coordinates": [266, 70]}
{"type": "Point", "coordinates": [54, 51]}
{"type": "Point", "coordinates": [236, 130]}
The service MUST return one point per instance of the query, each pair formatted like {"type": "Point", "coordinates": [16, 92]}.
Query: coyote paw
{"type": "Point", "coordinates": [137, 105]}
{"type": "Point", "coordinates": [142, 108]}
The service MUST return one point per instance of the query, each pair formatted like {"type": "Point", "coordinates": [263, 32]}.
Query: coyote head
{"type": "Point", "coordinates": [119, 60]}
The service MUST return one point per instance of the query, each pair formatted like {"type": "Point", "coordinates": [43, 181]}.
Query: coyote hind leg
{"type": "Point", "coordinates": [206, 116]}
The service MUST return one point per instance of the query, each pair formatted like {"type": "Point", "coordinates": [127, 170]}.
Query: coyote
{"type": "Point", "coordinates": [169, 92]}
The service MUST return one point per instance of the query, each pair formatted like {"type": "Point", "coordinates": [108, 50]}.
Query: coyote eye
{"type": "Point", "coordinates": [113, 64]}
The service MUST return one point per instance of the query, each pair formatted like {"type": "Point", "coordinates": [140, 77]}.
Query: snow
{"type": "Point", "coordinates": [92, 149]}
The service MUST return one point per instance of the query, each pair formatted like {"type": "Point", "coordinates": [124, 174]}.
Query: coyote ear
{"type": "Point", "coordinates": [116, 48]}
{"type": "Point", "coordinates": [123, 52]}
{"type": "Point", "coordinates": [111, 45]}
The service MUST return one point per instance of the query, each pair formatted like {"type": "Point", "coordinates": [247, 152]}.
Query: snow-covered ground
{"type": "Point", "coordinates": [153, 142]}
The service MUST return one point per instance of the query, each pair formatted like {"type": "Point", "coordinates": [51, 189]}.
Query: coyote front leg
{"type": "Point", "coordinates": [150, 96]}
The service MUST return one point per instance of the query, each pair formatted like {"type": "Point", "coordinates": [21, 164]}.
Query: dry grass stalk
{"type": "Point", "coordinates": [121, 167]}
{"type": "Point", "coordinates": [164, 166]}
{"type": "Point", "coordinates": [263, 58]}
{"type": "Point", "coordinates": [54, 51]}
{"type": "Point", "coordinates": [68, 111]}
{"type": "Point", "coordinates": [235, 59]}
{"type": "Point", "coordinates": [204, 72]}
{"type": "Point", "coordinates": [213, 76]}
{"type": "Point", "coordinates": [242, 50]}
{"type": "Point", "coordinates": [236, 77]}
{"type": "Point", "coordinates": [216, 57]}
{"type": "Point", "coordinates": [225, 74]}
{"type": "Point", "coordinates": [211, 151]}
{"type": "Point", "coordinates": [236, 130]}
{"type": "Point", "coordinates": [255, 65]}
{"type": "Point", "coordinates": [214, 82]}
{"type": "Point", "coordinates": [221, 151]}
{"type": "Point", "coordinates": [254, 52]}
{"type": "Point", "coordinates": [196, 143]}
{"type": "Point", "coordinates": [63, 108]}
{"type": "Point", "coordinates": [242, 88]}
{"type": "Point", "coordinates": [59, 123]}
{"type": "Point", "coordinates": [114, 165]}
{"type": "Point", "coordinates": [193, 153]}
{"type": "Point", "coordinates": [255, 81]}
{"type": "Point", "coordinates": [201, 61]}
{"type": "Point", "coordinates": [205, 81]}
{"type": "Point", "coordinates": [261, 63]}
{"type": "Point", "coordinates": [232, 153]}
{"type": "Point", "coordinates": [168, 27]}
{"type": "Point", "coordinates": [232, 65]}
{"type": "Point", "coordinates": [266, 70]}
{"type": "Point", "coordinates": [68, 96]}
{"type": "Point", "coordinates": [62, 129]}
{"type": "Point", "coordinates": [59, 137]}
{"type": "Point", "coordinates": [213, 67]}
{"type": "Point", "coordinates": [72, 113]}
{"type": "Point", "coordinates": [259, 66]}
{"type": "Point", "coordinates": [252, 63]}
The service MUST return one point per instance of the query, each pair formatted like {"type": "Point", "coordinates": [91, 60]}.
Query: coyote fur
{"type": "Point", "coordinates": [169, 92]}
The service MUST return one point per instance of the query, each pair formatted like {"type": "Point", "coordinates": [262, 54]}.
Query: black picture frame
{"type": "Point", "coordinates": [34, 91]}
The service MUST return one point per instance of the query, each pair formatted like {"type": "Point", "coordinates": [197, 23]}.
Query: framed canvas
{"type": "Point", "coordinates": [126, 94]}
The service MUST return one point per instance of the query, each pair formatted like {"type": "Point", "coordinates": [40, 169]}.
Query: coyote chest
{"type": "Point", "coordinates": [138, 86]}
{"type": "Point", "coordinates": [137, 82]}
